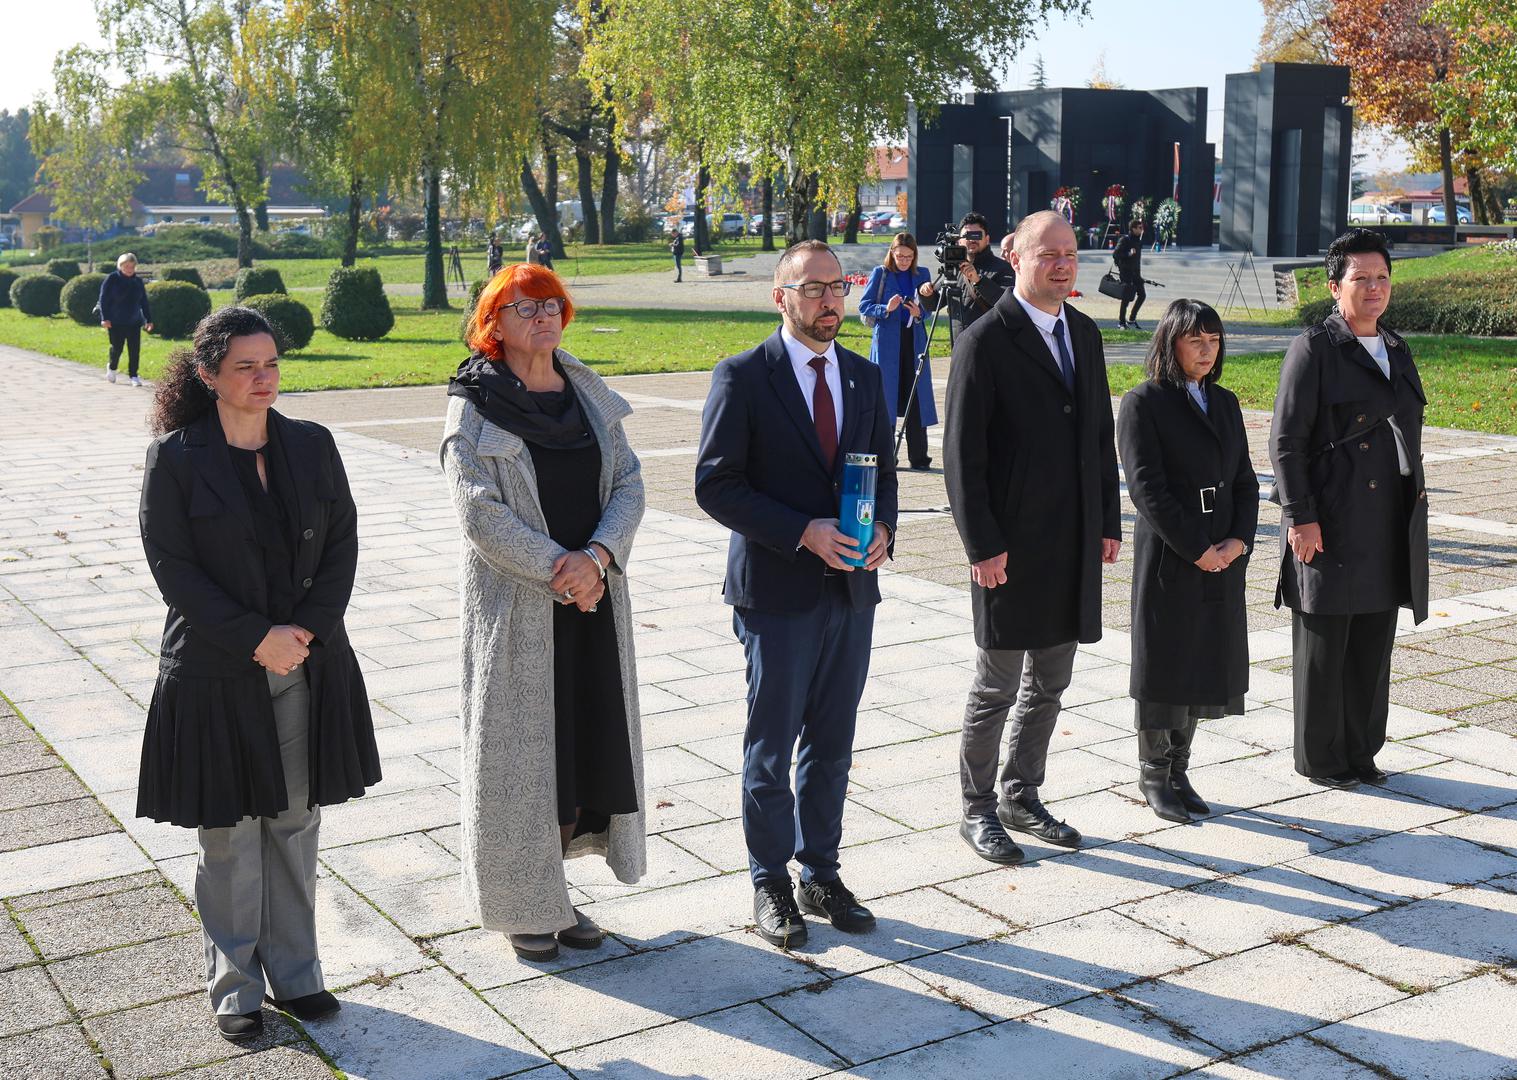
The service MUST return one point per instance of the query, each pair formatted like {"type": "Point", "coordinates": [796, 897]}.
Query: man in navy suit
{"type": "Point", "coordinates": [777, 424]}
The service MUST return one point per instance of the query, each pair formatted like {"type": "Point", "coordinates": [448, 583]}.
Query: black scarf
{"type": "Point", "coordinates": [507, 403]}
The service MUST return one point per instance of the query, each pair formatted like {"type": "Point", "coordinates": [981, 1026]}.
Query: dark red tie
{"type": "Point", "coordinates": [822, 413]}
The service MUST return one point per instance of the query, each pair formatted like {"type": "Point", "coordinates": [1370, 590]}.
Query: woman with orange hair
{"type": "Point", "coordinates": [549, 495]}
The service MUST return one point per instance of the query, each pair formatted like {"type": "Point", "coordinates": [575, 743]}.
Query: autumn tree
{"type": "Point", "coordinates": [1295, 32]}
{"type": "Point", "coordinates": [1398, 57]}
{"type": "Point", "coordinates": [1486, 98]}
{"type": "Point", "coordinates": [78, 137]}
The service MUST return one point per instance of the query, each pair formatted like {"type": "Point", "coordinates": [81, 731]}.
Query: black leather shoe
{"type": "Point", "coordinates": [832, 901]}
{"type": "Point", "coordinates": [1371, 774]}
{"type": "Point", "coordinates": [1028, 814]}
{"type": "Point", "coordinates": [1180, 740]}
{"type": "Point", "coordinates": [1180, 783]}
{"type": "Point", "coordinates": [985, 835]}
{"type": "Point", "coordinates": [1341, 781]}
{"type": "Point", "coordinates": [311, 1007]}
{"type": "Point", "coordinates": [922, 466]}
{"type": "Point", "coordinates": [235, 1027]}
{"type": "Point", "coordinates": [779, 920]}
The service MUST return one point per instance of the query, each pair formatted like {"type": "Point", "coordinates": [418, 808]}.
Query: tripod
{"type": "Point", "coordinates": [916, 378]}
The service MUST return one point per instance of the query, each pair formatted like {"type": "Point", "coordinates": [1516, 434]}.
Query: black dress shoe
{"type": "Point", "coordinates": [235, 1027]}
{"type": "Point", "coordinates": [1028, 814]}
{"type": "Point", "coordinates": [922, 466]}
{"type": "Point", "coordinates": [310, 1007]}
{"type": "Point", "coordinates": [779, 920]}
{"type": "Point", "coordinates": [1371, 774]}
{"type": "Point", "coordinates": [1341, 781]}
{"type": "Point", "coordinates": [832, 901]}
{"type": "Point", "coordinates": [984, 834]}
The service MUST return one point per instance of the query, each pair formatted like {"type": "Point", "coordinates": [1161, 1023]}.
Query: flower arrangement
{"type": "Point", "coordinates": [1116, 195]}
{"type": "Point", "coordinates": [1166, 224]}
{"type": "Point", "coordinates": [1067, 202]}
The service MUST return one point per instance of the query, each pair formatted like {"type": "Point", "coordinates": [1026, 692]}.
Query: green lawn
{"type": "Point", "coordinates": [1311, 284]}
{"type": "Point", "coordinates": [1471, 383]}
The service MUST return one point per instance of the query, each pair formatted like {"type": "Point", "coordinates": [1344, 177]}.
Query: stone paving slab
{"type": "Point", "coordinates": [1354, 917]}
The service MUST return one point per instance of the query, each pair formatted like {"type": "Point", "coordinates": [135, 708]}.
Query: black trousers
{"type": "Point", "coordinates": [131, 337]}
{"type": "Point", "coordinates": [916, 433]}
{"type": "Point", "coordinates": [1341, 667]}
{"type": "Point", "coordinates": [679, 269]}
{"type": "Point", "coordinates": [1134, 293]}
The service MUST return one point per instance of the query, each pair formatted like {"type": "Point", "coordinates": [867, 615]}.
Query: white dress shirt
{"type": "Point", "coordinates": [800, 359]}
{"type": "Point", "coordinates": [1375, 346]}
{"type": "Point", "coordinates": [1045, 323]}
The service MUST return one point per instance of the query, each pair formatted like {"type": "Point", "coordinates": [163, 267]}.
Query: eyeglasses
{"type": "Point", "coordinates": [527, 309]}
{"type": "Point", "coordinates": [814, 290]}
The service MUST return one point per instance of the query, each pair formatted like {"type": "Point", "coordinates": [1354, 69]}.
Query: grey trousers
{"type": "Point", "coordinates": [1027, 683]}
{"type": "Point", "coordinates": [255, 885]}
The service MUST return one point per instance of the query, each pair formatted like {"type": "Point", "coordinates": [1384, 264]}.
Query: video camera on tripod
{"type": "Point", "coordinates": [950, 252]}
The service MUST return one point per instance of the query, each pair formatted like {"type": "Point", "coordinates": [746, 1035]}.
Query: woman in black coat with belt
{"type": "Point", "coordinates": [259, 716]}
{"type": "Point", "coordinates": [1185, 453]}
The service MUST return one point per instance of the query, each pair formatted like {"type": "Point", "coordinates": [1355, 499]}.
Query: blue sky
{"type": "Point", "coordinates": [1147, 44]}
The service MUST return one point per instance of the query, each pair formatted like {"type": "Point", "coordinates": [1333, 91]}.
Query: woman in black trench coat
{"type": "Point", "coordinates": [259, 716]}
{"type": "Point", "coordinates": [1186, 457]}
{"type": "Point", "coordinates": [1347, 448]}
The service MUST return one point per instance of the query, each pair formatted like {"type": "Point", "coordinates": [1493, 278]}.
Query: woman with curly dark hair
{"type": "Point", "coordinates": [260, 716]}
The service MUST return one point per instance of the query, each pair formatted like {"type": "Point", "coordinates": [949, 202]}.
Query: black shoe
{"type": "Point", "coordinates": [779, 920]}
{"type": "Point", "coordinates": [1180, 784]}
{"type": "Point", "coordinates": [310, 1007]}
{"type": "Point", "coordinates": [1132, 324]}
{"type": "Point", "coordinates": [1121, 325]}
{"type": "Point", "coordinates": [235, 1027]}
{"type": "Point", "coordinates": [1371, 774]}
{"type": "Point", "coordinates": [1028, 814]}
{"type": "Point", "coordinates": [1341, 781]}
{"type": "Point", "coordinates": [1154, 783]}
{"type": "Point", "coordinates": [1180, 740]}
{"type": "Point", "coordinates": [921, 466]}
{"type": "Point", "coordinates": [832, 901]}
{"type": "Point", "coordinates": [984, 834]}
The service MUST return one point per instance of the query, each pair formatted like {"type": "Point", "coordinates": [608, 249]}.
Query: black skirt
{"type": "Point", "coordinates": [210, 755]}
{"type": "Point", "coordinates": [594, 755]}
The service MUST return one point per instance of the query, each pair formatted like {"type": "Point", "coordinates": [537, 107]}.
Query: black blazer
{"type": "Point", "coordinates": [760, 473]}
{"type": "Point", "coordinates": [1191, 480]}
{"type": "Point", "coordinates": [210, 753]}
{"type": "Point", "coordinates": [1331, 392]}
{"type": "Point", "coordinates": [1032, 471]}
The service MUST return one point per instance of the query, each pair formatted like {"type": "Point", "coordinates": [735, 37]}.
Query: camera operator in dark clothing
{"type": "Point", "coordinates": [981, 278]}
{"type": "Point", "coordinates": [1128, 255]}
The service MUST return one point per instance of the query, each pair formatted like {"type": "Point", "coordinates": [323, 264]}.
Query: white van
{"type": "Point", "coordinates": [1366, 213]}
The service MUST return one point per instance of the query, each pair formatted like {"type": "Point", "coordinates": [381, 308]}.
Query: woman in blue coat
{"type": "Point", "coordinates": [890, 299]}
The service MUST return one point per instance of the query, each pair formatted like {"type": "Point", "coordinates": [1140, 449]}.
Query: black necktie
{"type": "Point", "coordinates": [1066, 362]}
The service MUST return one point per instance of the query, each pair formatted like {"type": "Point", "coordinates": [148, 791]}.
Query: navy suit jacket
{"type": "Point", "coordinates": [761, 474]}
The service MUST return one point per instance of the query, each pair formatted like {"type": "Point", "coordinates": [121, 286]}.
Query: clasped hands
{"type": "Point", "coordinates": [824, 540]}
{"type": "Point", "coordinates": [284, 648]}
{"type": "Point", "coordinates": [576, 578]}
{"type": "Point", "coordinates": [1219, 557]}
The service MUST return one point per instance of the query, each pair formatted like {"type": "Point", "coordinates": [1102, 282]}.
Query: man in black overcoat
{"type": "Point", "coordinates": [1032, 478]}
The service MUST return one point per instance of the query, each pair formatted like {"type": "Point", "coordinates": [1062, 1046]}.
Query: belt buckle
{"type": "Point", "coordinates": [1208, 499]}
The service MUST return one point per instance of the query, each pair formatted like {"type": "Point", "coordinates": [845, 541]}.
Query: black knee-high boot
{"type": "Point", "coordinates": [1154, 775]}
{"type": "Point", "coordinates": [1179, 763]}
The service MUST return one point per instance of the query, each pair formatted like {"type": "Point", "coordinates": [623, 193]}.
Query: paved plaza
{"type": "Point", "coordinates": [1296, 933]}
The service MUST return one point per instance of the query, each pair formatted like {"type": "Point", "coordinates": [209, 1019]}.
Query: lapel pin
{"type": "Point", "coordinates": [850, 384]}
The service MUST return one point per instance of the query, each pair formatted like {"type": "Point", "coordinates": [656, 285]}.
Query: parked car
{"type": "Point", "coordinates": [875, 221]}
{"type": "Point", "coordinates": [731, 225]}
{"type": "Point", "coordinates": [756, 223]}
{"type": "Point", "coordinates": [897, 222]}
{"type": "Point", "coordinates": [687, 226]}
{"type": "Point", "coordinates": [1438, 215]}
{"type": "Point", "coordinates": [1365, 213]}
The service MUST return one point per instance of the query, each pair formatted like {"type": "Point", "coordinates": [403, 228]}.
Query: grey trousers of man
{"type": "Point", "coordinates": [1026, 683]}
{"type": "Point", "coordinates": [255, 885]}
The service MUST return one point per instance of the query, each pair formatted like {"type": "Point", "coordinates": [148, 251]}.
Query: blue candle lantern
{"type": "Point", "coordinates": [856, 507]}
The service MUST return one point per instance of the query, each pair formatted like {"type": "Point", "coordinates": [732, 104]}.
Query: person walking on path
{"type": "Point", "coordinates": [494, 256]}
{"type": "Point", "coordinates": [1185, 453]}
{"type": "Point", "coordinates": [778, 423]}
{"type": "Point", "coordinates": [1346, 444]}
{"type": "Point", "coordinates": [1032, 479]}
{"type": "Point", "coordinates": [890, 300]}
{"type": "Point", "coordinates": [260, 716]}
{"type": "Point", "coordinates": [677, 249]}
{"type": "Point", "coordinates": [549, 496]}
{"type": "Point", "coordinates": [124, 314]}
{"type": "Point", "coordinates": [1128, 255]}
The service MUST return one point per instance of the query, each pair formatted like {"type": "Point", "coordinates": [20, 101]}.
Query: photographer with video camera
{"type": "Point", "coordinates": [973, 277]}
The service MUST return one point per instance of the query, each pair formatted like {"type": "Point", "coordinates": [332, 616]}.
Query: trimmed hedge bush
{"type": "Point", "coordinates": [67, 269]}
{"type": "Point", "coordinates": [355, 306]}
{"type": "Point", "coordinates": [7, 279]}
{"type": "Point", "coordinates": [182, 273]}
{"type": "Point", "coordinates": [292, 321]}
{"type": "Point", "coordinates": [1480, 302]}
{"type": "Point", "coordinates": [37, 294]}
{"type": "Point", "coordinates": [177, 307]}
{"type": "Point", "coordinates": [80, 295]}
{"type": "Point", "coordinates": [257, 281]}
